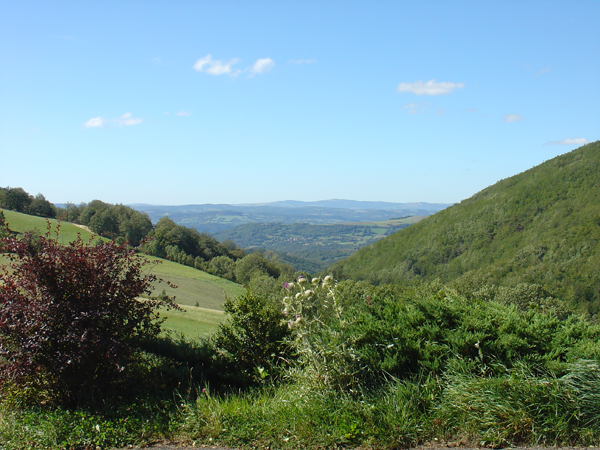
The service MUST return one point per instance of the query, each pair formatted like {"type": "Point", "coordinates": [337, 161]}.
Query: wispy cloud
{"type": "Point", "coordinates": [183, 114]}
{"type": "Point", "coordinates": [430, 87]}
{"type": "Point", "coordinates": [127, 119]}
{"type": "Point", "coordinates": [94, 122]}
{"type": "Point", "coordinates": [212, 66]}
{"type": "Point", "coordinates": [206, 64]}
{"type": "Point", "coordinates": [156, 60]}
{"type": "Point", "coordinates": [303, 61]}
{"type": "Point", "coordinates": [414, 108]}
{"type": "Point", "coordinates": [570, 141]}
{"type": "Point", "coordinates": [512, 118]}
{"type": "Point", "coordinates": [544, 70]}
{"type": "Point", "coordinates": [263, 65]}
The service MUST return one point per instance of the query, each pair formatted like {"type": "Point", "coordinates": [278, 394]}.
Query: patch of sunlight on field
{"type": "Point", "coordinates": [22, 223]}
{"type": "Point", "coordinates": [193, 321]}
{"type": "Point", "coordinates": [194, 287]}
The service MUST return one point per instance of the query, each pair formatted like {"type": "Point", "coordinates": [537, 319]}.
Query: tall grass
{"type": "Point", "coordinates": [521, 406]}
{"type": "Point", "coordinates": [518, 406]}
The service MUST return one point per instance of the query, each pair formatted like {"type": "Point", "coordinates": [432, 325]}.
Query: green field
{"type": "Point", "coordinates": [193, 286]}
{"type": "Point", "coordinates": [23, 223]}
{"type": "Point", "coordinates": [199, 293]}
{"type": "Point", "coordinates": [192, 322]}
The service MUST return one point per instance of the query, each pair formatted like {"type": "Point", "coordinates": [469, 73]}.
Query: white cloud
{"type": "Point", "coordinates": [263, 65]}
{"type": "Point", "coordinates": [570, 141]}
{"type": "Point", "coordinates": [156, 60]}
{"type": "Point", "coordinates": [512, 117]}
{"type": "Point", "coordinates": [544, 70]}
{"type": "Point", "coordinates": [303, 61]}
{"type": "Point", "coordinates": [183, 114]}
{"type": "Point", "coordinates": [215, 67]}
{"type": "Point", "coordinates": [127, 119]}
{"type": "Point", "coordinates": [94, 122]}
{"type": "Point", "coordinates": [414, 108]}
{"type": "Point", "coordinates": [430, 87]}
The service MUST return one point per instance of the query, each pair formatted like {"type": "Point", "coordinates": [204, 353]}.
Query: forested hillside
{"type": "Point", "coordinates": [541, 226]}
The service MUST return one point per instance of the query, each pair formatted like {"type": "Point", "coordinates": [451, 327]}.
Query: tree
{"type": "Point", "coordinates": [253, 265]}
{"type": "Point", "coordinates": [115, 221]}
{"type": "Point", "coordinates": [71, 317]}
{"type": "Point", "coordinates": [16, 199]}
{"type": "Point", "coordinates": [71, 212]}
{"type": "Point", "coordinates": [39, 206]}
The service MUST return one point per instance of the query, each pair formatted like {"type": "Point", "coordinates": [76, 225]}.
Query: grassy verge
{"type": "Point", "coordinates": [459, 409]}
{"type": "Point", "coordinates": [517, 408]}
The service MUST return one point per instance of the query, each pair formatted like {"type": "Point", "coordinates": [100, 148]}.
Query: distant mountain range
{"type": "Point", "coordinates": [212, 218]}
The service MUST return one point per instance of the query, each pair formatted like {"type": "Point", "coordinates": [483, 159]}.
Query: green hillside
{"type": "Point", "coordinates": [540, 226]}
{"type": "Point", "coordinates": [194, 287]}
{"type": "Point", "coordinates": [23, 223]}
{"type": "Point", "coordinates": [201, 294]}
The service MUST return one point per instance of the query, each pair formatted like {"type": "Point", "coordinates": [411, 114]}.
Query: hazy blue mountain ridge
{"type": "Point", "coordinates": [217, 217]}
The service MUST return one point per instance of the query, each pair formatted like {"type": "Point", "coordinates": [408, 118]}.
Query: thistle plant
{"type": "Point", "coordinates": [325, 357]}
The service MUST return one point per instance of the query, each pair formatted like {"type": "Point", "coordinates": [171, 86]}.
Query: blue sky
{"type": "Point", "coordinates": [179, 102]}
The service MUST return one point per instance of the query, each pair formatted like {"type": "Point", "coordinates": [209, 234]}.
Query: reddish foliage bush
{"type": "Point", "coordinates": [70, 316]}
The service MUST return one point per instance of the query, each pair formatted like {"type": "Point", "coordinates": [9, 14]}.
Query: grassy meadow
{"type": "Point", "coordinates": [200, 294]}
{"type": "Point", "coordinates": [192, 322]}
{"type": "Point", "coordinates": [23, 223]}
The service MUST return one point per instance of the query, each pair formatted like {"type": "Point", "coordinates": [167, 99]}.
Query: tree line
{"type": "Point", "coordinates": [166, 239]}
{"type": "Point", "coordinates": [17, 199]}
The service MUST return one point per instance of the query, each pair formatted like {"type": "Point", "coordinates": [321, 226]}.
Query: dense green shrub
{"type": "Point", "coordinates": [352, 334]}
{"type": "Point", "coordinates": [251, 345]}
{"type": "Point", "coordinates": [400, 336]}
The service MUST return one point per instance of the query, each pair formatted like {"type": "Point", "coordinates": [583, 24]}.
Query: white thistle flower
{"type": "Point", "coordinates": [293, 323]}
